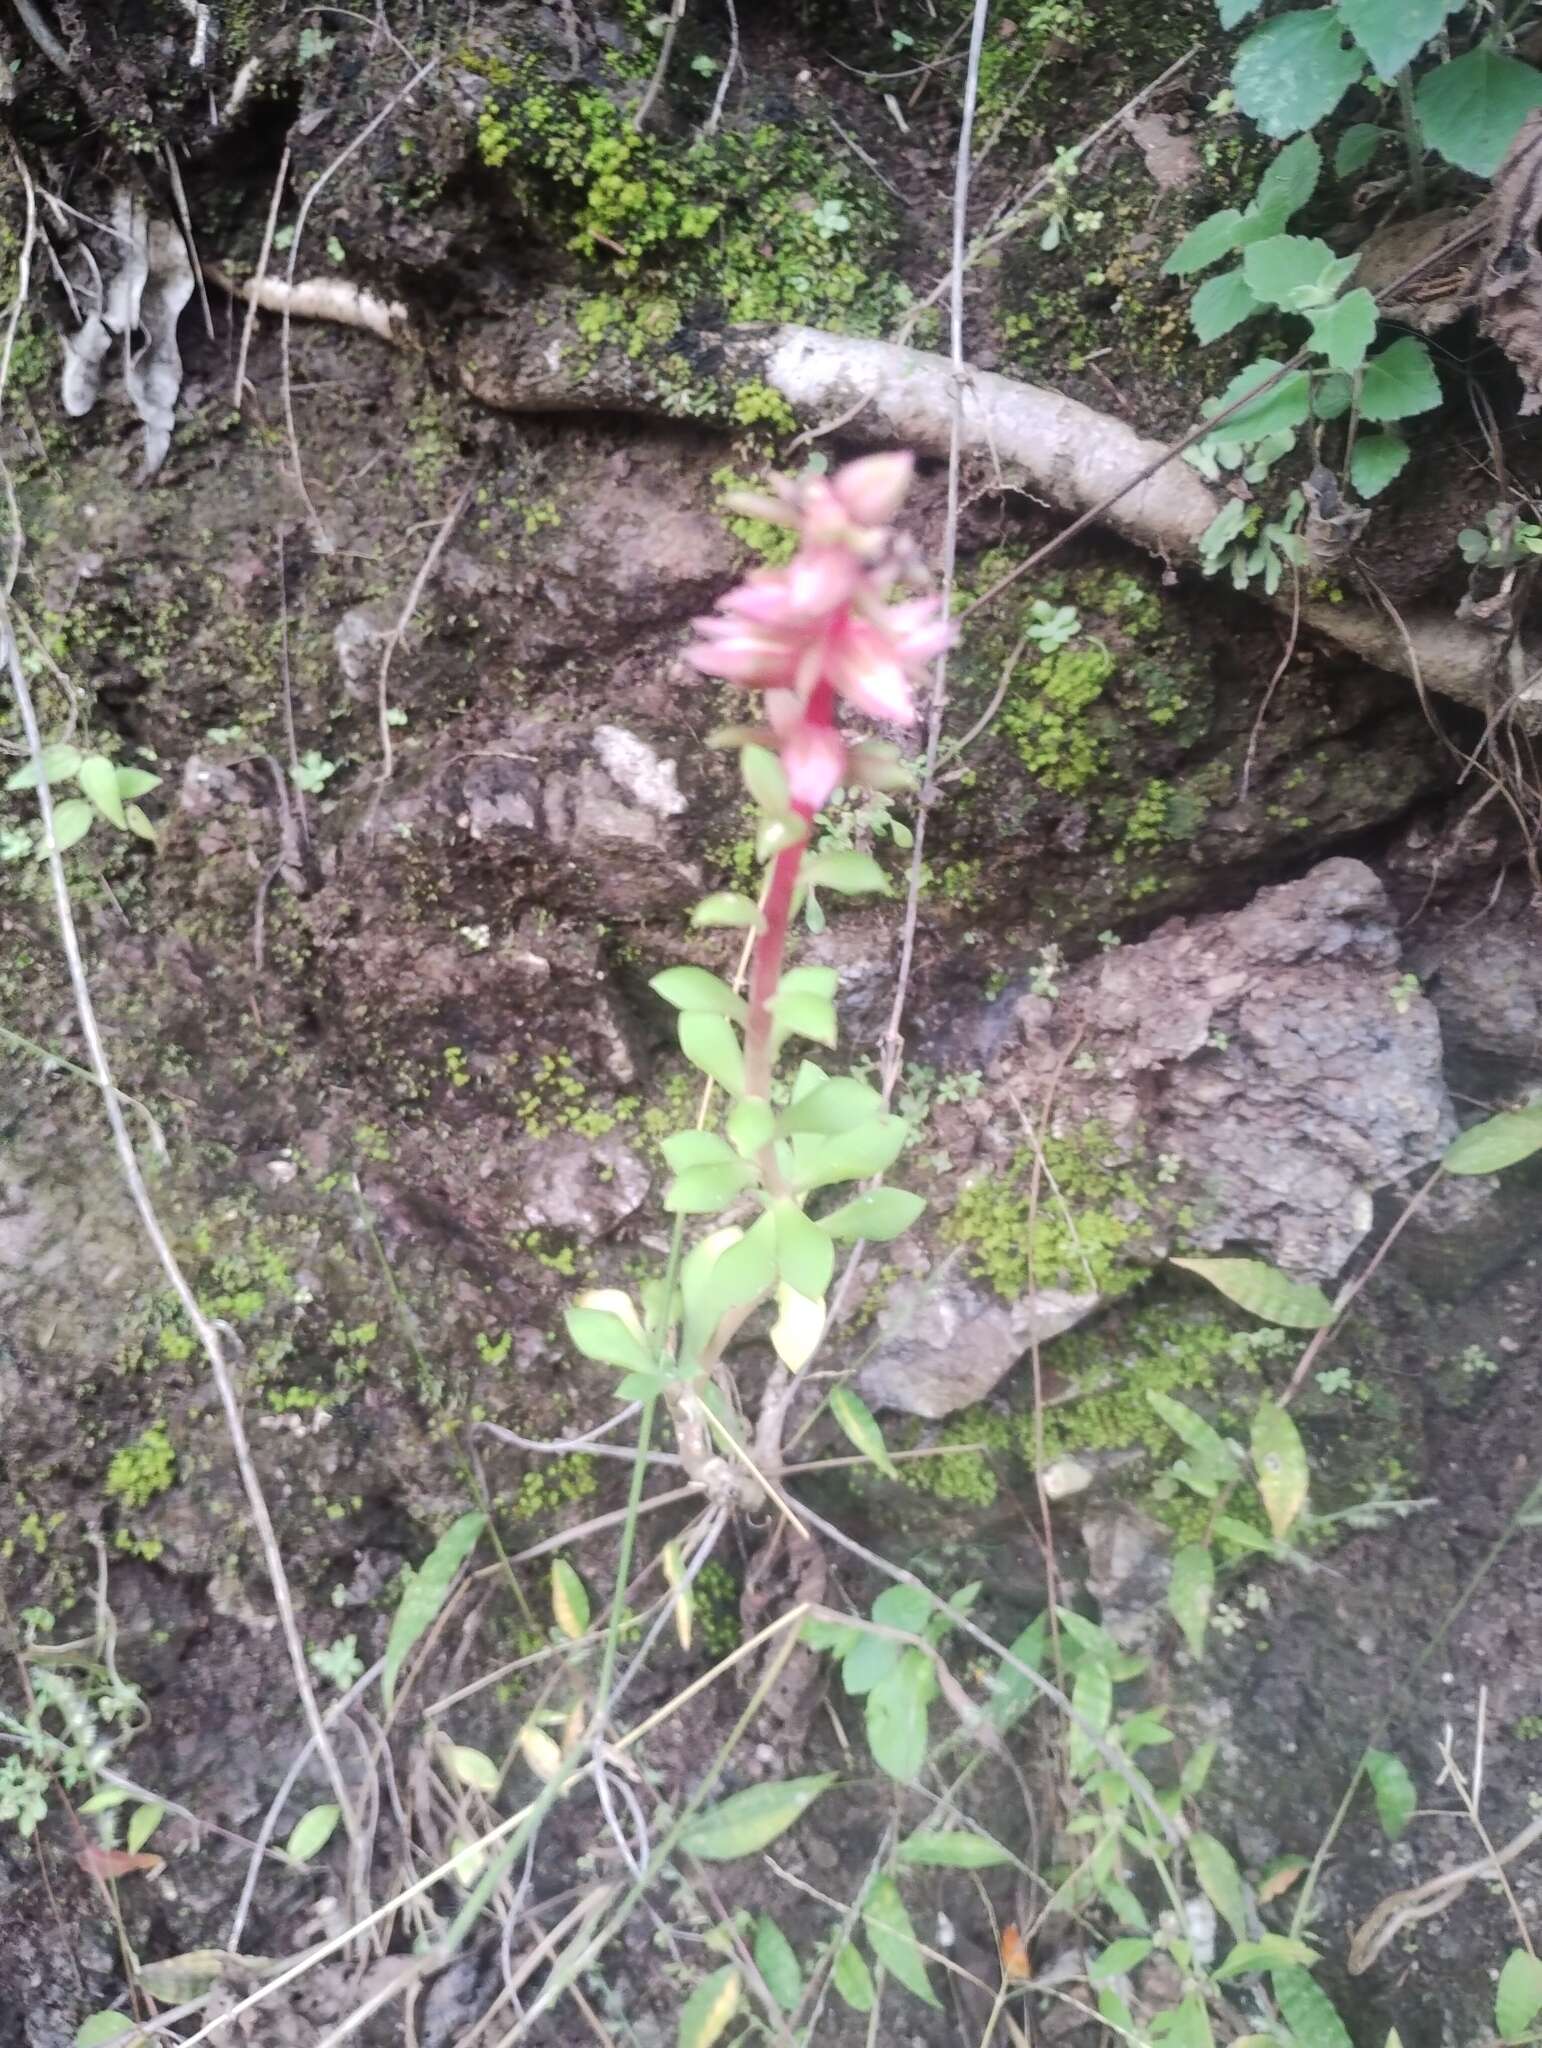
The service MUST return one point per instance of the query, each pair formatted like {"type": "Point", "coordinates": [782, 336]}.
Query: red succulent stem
{"type": "Point", "coordinates": [775, 919]}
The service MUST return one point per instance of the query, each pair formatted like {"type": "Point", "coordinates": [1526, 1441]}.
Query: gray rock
{"type": "Point", "coordinates": [1264, 1071]}
{"type": "Point", "coordinates": [1485, 979]}
{"type": "Point", "coordinates": [944, 1345]}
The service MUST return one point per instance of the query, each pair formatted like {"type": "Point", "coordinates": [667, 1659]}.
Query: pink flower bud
{"type": "Point", "coordinates": [871, 491]}
{"type": "Point", "coordinates": [863, 666]}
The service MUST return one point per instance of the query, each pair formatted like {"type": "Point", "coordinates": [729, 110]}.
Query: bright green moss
{"type": "Point", "coordinates": [554, 1485]}
{"type": "Point", "coordinates": [766, 225]}
{"type": "Point", "coordinates": [715, 1610]}
{"type": "Point", "coordinates": [143, 1469]}
{"type": "Point", "coordinates": [965, 1477]}
{"type": "Point", "coordinates": [1090, 1205]}
{"type": "Point", "coordinates": [1047, 722]}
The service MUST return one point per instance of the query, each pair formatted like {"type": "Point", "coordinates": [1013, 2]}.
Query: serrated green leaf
{"type": "Point", "coordinates": [747, 1821]}
{"type": "Point", "coordinates": [1269, 1952]}
{"type": "Point", "coordinates": [703, 1190]}
{"type": "Point", "coordinates": [892, 1939]}
{"type": "Point", "coordinates": [1376, 459]}
{"type": "Point", "coordinates": [1118, 1958]}
{"type": "Point", "coordinates": [1307, 2009]}
{"type": "Point", "coordinates": [694, 989]}
{"type": "Point", "coordinates": [1290, 179]}
{"type": "Point", "coordinates": [73, 819]}
{"type": "Point", "coordinates": [99, 2029]}
{"type": "Point", "coordinates": [311, 1833]}
{"type": "Point", "coordinates": [877, 1216]}
{"type": "Point", "coordinates": [1279, 1461]}
{"type": "Point", "coordinates": [1190, 1591]}
{"type": "Point", "coordinates": [1498, 1142]}
{"type": "Point", "coordinates": [134, 782]}
{"type": "Point", "coordinates": [473, 1767]}
{"type": "Point", "coordinates": [97, 779]}
{"type": "Point", "coordinates": [1118, 1897]}
{"type": "Point", "coordinates": [1344, 331]}
{"type": "Point", "coordinates": [1518, 1998]}
{"type": "Point", "coordinates": [1282, 406]}
{"type": "Point", "coordinates": [1294, 272]}
{"type": "Point", "coordinates": [959, 1850]}
{"type": "Point", "coordinates": [425, 1593]}
{"type": "Point", "coordinates": [1393, 32]}
{"type": "Point", "coordinates": [1265, 1292]}
{"type": "Point", "coordinates": [1399, 382]}
{"type": "Point", "coordinates": [1469, 110]}
{"type": "Point", "coordinates": [1356, 146]}
{"type": "Point", "coordinates": [1220, 304]}
{"type": "Point", "coordinates": [143, 1822]}
{"type": "Point", "coordinates": [1194, 1773]}
{"type": "Point", "coordinates": [606, 1338]}
{"type": "Point", "coordinates": [852, 1978]}
{"type": "Point", "coordinates": [569, 1600]}
{"type": "Point", "coordinates": [711, 2006]}
{"type": "Point", "coordinates": [1216, 1458]}
{"type": "Point", "coordinates": [853, 1155]}
{"type": "Point", "coordinates": [1221, 1881]}
{"type": "Point", "coordinates": [1291, 73]}
{"type": "Point", "coordinates": [1396, 1796]}
{"type": "Point", "coordinates": [777, 1964]}
{"type": "Point", "coordinates": [1092, 1704]}
{"type": "Point", "coordinates": [861, 1428]}
{"type": "Point", "coordinates": [896, 1716]}
{"type": "Point", "coordinates": [750, 1125]}
{"type": "Point", "coordinates": [1204, 244]}
{"type": "Point", "coordinates": [712, 1045]}
{"type": "Point", "coordinates": [59, 762]}
{"type": "Point", "coordinates": [848, 874]}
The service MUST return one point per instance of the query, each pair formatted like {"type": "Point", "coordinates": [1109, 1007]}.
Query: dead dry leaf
{"type": "Point", "coordinates": [1510, 283]}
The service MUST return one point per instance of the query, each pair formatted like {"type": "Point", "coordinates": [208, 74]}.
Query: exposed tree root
{"type": "Point", "coordinates": [1054, 448]}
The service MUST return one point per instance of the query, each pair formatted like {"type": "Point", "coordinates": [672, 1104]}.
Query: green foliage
{"type": "Point", "coordinates": [424, 1594]}
{"type": "Point", "coordinates": [1046, 722]}
{"type": "Point", "coordinates": [108, 790]}
{"type": "Point", "coordinates": [1265, 1292]}
{"type": "Point", "coordinates": [1518, 1996]}
{"type": "Point", "coordinates": [750, 1820]}
{"type": "Point", "coordinates": [142, 1470]}
{"type": "Point", "coordinates": [1092, 1201]}
{"type": "Point", "coordinates": [758, 226]}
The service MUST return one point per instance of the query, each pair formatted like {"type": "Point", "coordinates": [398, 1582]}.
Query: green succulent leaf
{"type": "Point", "coordinates": [712, 1044]}
{"type": "Point", "coordinates": [693, 988]}
{"type": "Point", "coordinates": [1396, 1795]}
{"type": "Point", "coordinates": [853, 1155]}
{"type": "Point", "coordinates": [684, 1149]}
{"type": "Point", "coordinates": [848, 874]}
{"type": "Point", "coordinates": [704, 1190]}
{"type": "Point", "coordinates": [727, 907]}
{"type": "Point", "coordinates": [877, 1216]}
{"type": "Point", "coordinates": [833, 1107]}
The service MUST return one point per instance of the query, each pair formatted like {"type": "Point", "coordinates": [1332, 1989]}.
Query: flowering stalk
{"type": "Point", "coordinates": [824, 630]}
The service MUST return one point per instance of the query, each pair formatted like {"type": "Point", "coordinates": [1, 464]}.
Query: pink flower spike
{"type": "Point", "coordinates": [864, 668]}
{"type": "Point", "coordinates": [815, 760]}
{"type": "Point", "coordinates": [815, 583]}
{"type": "Point", "coordinates": [744, 657]}
{"type": "Point", "coordinates": [873, 490]}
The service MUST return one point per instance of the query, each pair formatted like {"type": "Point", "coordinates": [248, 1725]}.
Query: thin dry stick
{"type": "Point", "coordinates": [248, 326]}
{"type": "Point", "coordinates": [721, 95]}
{"type": "Point", "coordinates": [185, 217]}
{"type": "Point", "coordinates": [1321, 1338]}
{"type": "Point", "coordinates": [1274, 681]}
{"type": "Point", "coordinates": [139, 1194]}
{"type": "Point", "coordinates": [893, 1043]}
{"type": "Point", "coordinates": [661, 69]}
{"type": "Point", "coordinates": [323, 539]}
{"type": "Point", "coordinates": [420, 582]}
